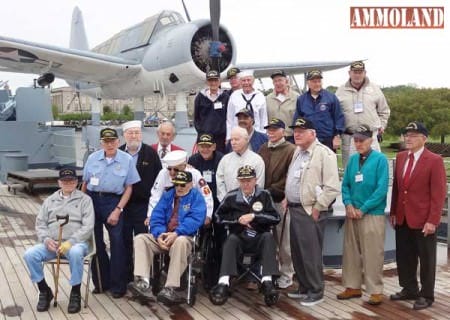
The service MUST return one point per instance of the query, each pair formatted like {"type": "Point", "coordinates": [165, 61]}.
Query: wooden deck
{"type": "Point", "coordinates": [18, 296]}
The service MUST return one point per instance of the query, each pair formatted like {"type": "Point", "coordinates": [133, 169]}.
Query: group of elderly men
{"type": "Point", "coordinates": [268, 183]}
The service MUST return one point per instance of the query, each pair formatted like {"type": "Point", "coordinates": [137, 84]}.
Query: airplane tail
{"type": "Point", "coordinates": [78, 39]}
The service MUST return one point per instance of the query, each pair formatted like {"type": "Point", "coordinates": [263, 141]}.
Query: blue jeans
{"type": "Point", "coordinates": [36, 255]}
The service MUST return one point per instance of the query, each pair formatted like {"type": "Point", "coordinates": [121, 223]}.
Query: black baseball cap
{"type": "Point", "coordinates": [206, 138]}
{"type": "Point", "coordinates": [245, 111]}
{"type": "Point", "coordinates": [182, 177]}
{"type": "Point", "coordinates": [275, 123]}
{"type": "Point", "coordinates": [278, 73]}
{"type": "Point", "coordinates": [363, 132]}
{"type": "Point", "coordinates": [233, 72]}
{"type": "Point", "coordinates": [67, 174]}
{"type": "Point", "coordinates": [416, 126]}
{"type": "Point", "coordinates": [302, 123]}
{"type": "Point", "coordinates": [246, 172]}
{"type": "Point", "coordinates": [108, 133]}
{"type": "Point", "coordinates": [212, 74]}
{"type": "Point", "coordinates": [314, 74]}
{"type": "Point", "coordinates": [357, 66]}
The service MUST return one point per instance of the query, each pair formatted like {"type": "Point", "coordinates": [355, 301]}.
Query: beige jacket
{"type": "Point", "coordinates": [320, 179]}
{"type": "Point", "coordinates": [282, 110]}
{"type": "Point", "coordinates": [375, 107]}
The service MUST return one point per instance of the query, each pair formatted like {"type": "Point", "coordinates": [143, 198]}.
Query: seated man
{"type": "Point", "coordinates": [67, 201]}
{"type": "Point", "coordinates": [173, 162]}
{"type": "Point", "coordinates": [250, 212]}
{"type": "Point", "coordinates": [180, 212]}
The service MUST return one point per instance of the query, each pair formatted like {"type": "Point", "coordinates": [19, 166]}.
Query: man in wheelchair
{"type": "Point", "coordinates": [180, 212]}
{"type": "Point", "coordinates": [249, 213]}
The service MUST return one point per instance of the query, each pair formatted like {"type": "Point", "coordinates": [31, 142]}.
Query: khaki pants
{"type": "Point", "coordinates": [364, 253]}
{"type": "Point", "coordinates": [284, 251]}
{"type": "Point", "coordinates": [145, 248]}
{"type": "Point", "coordinates": [348, 146]}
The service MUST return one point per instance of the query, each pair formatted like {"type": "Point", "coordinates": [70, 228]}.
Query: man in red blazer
{"type": "Point", "coordinates": [166, 134]}
{"type": "Point", "coordinates": [418, 196]}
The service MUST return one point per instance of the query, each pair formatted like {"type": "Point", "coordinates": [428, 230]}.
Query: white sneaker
{"type": "Point", "coordinates": [284, 282]}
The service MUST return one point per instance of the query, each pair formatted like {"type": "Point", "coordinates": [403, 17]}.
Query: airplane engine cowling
{"type": "Point", "coordinates": [180, 55]}
{"type": "Point", "coordinates": [200, 45]}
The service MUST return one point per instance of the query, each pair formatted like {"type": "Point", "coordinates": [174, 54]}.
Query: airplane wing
{"type": "Point", "coordinates": [263, 70]}
{"type": "Point", "coordinates": [68, 64]}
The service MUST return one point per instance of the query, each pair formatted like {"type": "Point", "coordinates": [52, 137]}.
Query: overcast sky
{"type": "Point", "coordinates": [264, 31]}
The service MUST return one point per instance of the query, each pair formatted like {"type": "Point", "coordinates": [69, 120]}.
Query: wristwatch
{"type": "Point", "coordinates": [121, 209]}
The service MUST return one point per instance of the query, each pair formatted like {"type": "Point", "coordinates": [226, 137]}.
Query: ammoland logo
{"type": "Point", "coordinates": [396, 17]}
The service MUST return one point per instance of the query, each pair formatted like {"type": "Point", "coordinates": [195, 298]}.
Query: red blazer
{"type": "Point", "coordinates": [172, 147]}
{"type": "Point", "coordinates": [422, 201]}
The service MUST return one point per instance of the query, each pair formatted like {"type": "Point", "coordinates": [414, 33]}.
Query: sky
{"type": "Point", "coordinates": [264, 31]}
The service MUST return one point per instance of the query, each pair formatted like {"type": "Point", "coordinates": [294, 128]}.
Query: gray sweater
{"type": "Point", "coordinates": [80, 209]}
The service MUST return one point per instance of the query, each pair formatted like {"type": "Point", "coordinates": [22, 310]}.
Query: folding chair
{"type": "Point", "coordinates": [87, 261]}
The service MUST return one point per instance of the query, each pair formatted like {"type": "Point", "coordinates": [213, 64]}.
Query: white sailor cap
{"type": "Point", "coordinates": [175, 158]}
{"type": "Point", "coordinates": [246, 73]}
{"type": "Point", "coordinates": [131, 124]}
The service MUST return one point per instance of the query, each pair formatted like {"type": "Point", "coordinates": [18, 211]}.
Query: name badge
{"type": "Point", "coordinates": [207, 175]}
{"type": "Point", "coordinates": [358, 107]}
{"type": "Point", "coordinates": [217, 105]}
{"type": "Point", "coordinates": [359, 177]}
{"type": "Point", "coordinates": [94, 181]}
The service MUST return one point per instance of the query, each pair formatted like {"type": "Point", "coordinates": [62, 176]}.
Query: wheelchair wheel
{"type": "Point", "coordinates": [210, 268]}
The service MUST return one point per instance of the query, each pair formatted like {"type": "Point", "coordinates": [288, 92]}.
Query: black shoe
{"type": "Point", "coordinates": [219, 294]}
{"type": "Point", "coordinates": [169, 296]}
{"type": "Point", "coordinates": [403, 295]}
{"type": "Point", "coordinates": [98, 291]}
{"type": "Point", "coordinates": [271, 295]}
{"type": "Point", "coordinates": [422, 303]}
{"type": "Point", "coordinates": [44, 300]}
{"type": "Point", "coordinates": [74, 302]}
{"type": "Point", "coordinates": [117, 295]}
{"type": "Point", "coordinates": [311, 300]}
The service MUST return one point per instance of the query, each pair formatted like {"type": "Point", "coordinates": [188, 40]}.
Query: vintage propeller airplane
{"type": "Point", "coordinates": [162, 54]}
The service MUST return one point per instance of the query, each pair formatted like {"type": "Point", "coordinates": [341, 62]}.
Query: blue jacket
{"type": "Point", "coordinates": [370, 194]}
{"type": "Point", "coordinates": [191, 213]}
{"type": "Point", "coordinates": [325, 112]}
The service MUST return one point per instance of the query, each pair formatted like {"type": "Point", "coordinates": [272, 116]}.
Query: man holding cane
{"type": "Point", "coordinates": [70, 202]}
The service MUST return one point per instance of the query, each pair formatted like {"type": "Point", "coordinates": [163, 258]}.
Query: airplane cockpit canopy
{"type": "Point", "coordinates": [139, 35]}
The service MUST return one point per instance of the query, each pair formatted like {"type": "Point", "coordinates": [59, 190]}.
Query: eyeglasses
{"type": "Point", "coordinates": [181, 185]}
{"type": "Point", "coordinates": [173, 169]}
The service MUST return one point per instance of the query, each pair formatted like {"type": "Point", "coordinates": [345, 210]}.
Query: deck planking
{"type": "Point", "coordinates": [18, 296]}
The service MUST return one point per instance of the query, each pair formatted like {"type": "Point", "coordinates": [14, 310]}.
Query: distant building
{"type": "Point", "coordinates": [66, 100]}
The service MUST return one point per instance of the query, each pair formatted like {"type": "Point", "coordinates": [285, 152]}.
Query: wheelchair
{"type": "Point", "coordinates": [249, 266]}
{"type": "Point", "coordinates": [202, 265]}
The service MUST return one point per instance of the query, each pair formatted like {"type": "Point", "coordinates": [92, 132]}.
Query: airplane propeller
{"type": "Point", "coordinates": [216, 47]}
